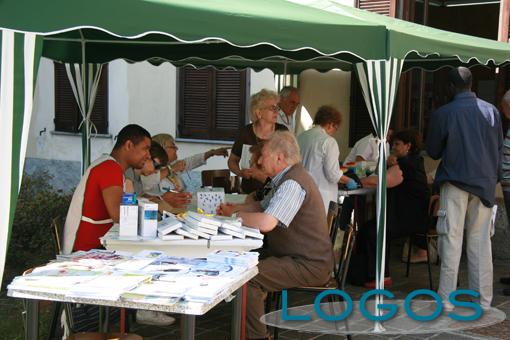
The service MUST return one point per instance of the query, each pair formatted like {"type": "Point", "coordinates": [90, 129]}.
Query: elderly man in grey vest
{"type": "Point", "coordinates": [299, 251]}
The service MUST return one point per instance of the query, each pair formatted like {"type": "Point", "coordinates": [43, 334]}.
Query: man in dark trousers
{"type": "Point", "coordinates": [466, 135]}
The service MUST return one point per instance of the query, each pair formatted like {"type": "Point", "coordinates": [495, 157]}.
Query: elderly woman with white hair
{"type": "Point", "coordinates": [299, 251]}
{"type": "Point", "coordinates": [264, 114]}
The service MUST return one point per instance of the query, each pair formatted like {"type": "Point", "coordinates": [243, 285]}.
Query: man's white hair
{"type": "Point", "coordinates": [506, 97]}
{"type": "Point", "coordinates": [287, 90]}
{"type": "Point", "coordinates": [286, 143]}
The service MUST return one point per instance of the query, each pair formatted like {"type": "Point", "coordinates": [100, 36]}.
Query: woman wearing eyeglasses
{"type": "Point", "coordinates": [173, 180]}
{"type": "Point", "coordinates": [263, 114]}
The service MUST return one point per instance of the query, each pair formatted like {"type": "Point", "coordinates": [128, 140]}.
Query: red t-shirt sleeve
{"type": "Point", "coordinates": [109, 175]}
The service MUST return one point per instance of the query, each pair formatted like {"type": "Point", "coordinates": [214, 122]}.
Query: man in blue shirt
{"type": "Point", "coordinates": [466, 134]}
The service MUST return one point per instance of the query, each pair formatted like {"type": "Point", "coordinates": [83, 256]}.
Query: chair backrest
{"type": "Point", "coordinates": [433, 210]}
{"type": "Point", "coordinates": [331, 216]}
{"type": "Point", "coordinates": [57, 230]}
{"type": "Point", "coordinates": [332, 228]}
{"type": "Point", "coordinates": [434, 205]}
{"type": "Point", "coordinates": [217, 178]}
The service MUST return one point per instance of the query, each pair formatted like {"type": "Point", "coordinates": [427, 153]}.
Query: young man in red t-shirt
{"type": "Point", "coordinates": [103, 195]}
{"type": "Point", "coordinates": [104, 188]}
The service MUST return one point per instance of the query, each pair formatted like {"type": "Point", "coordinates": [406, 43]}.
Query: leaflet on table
{"type": "Point", "coordinates": [240, 258]}
{"type": "Point", "coordinates": [206, 289]}
{"type": "Point", "coordinates": [107, 287]}
{"type": "Point", "coordinates": [95, 257]}
{"type": "Point", "coordinates": [52, 284]}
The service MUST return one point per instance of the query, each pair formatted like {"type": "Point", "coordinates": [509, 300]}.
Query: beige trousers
{"type": "Point", "coordinates": [459, 211]}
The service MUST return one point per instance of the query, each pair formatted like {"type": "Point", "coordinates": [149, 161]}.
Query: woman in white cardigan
{"type": "Point", "coordinates": [320, 154]}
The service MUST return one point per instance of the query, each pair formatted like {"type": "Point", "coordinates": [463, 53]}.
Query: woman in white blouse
{"type": "Point", "coordinates": [321, 154]}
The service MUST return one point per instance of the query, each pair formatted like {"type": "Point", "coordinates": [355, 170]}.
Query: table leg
{"type": "Point", "coordinates": [243, 314]}
{"type": "Point", "coordinates": [189, 327]}
{"type": "Point", "coordinates": [32, 326]}
{"type": "Point", "coordinates": [237, 315]}
{"type": "Point", "coordinates": [122, 321]}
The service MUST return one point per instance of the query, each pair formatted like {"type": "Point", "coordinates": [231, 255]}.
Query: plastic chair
{"type": "Point", "coordinates": [430, 234]}
{"type": "Point", "coordinates": [221, 179]}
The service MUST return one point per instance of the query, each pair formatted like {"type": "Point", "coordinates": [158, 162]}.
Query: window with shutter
{"type": "Point", "coordinates": [212, 103]}
{"type": "Point", "coordinates": [67, 114]}
{"type": "Point", "coordinates": [384, 7]}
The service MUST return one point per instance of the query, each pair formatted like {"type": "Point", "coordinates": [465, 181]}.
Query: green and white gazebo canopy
{"type": "Point", "coordinates": [274, 34]}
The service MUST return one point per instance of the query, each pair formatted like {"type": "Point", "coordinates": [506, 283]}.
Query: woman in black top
{"type": "Point", "coordinates": [264, 113]}
{"type": "Point", "coordinates": [407, 209]}
{"type": "Point", "coordinates": [408, 202]}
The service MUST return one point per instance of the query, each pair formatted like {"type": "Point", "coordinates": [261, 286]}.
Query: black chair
{"type": "Point", "coordinates": [430, 234]}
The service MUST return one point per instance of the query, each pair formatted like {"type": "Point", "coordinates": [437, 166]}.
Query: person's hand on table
{"type": "Point", "coordinates": [216, 152]}
{"type": "Point", "coordinates": [179, 166]}
{"type": "Point", "coordinates": [226, 209]}
{"type": "Point", "coordinates": [351, 184]}
{"type": "Point", "coordinates": [177, 199]}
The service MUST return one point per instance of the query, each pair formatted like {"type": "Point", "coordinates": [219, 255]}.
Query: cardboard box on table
{"type": "Point", "coordinates": [208, 199]}
{"type": "Point", "coordinates": [147, 219]}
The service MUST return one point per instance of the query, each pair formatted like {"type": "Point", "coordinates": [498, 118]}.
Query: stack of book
{"type": "Point", "coordinates": [167, 226]}
{"type": "Point", "coordinates": [194, 226]}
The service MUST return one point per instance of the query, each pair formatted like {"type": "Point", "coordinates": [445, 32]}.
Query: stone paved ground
{"type": "Point", "coordinates": [215, 325]}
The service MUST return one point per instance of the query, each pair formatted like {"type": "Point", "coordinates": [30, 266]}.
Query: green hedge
{"type": "Point", "coordinates": [31, 242]}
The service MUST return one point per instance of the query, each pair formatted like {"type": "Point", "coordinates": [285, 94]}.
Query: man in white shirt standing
{"type": "Point", "coordinates": [366, 149]}
{"type": "Point", "coordinates": [289, 101]}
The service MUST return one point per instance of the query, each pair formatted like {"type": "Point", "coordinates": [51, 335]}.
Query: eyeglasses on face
{"type": "Point", "coordinates": [273, 108]}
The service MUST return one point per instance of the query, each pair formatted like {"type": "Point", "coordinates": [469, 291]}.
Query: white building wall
{"type": "Point", "coordinates": [330, 88]}
{"type": "Point", "coordinates": [138, 93]}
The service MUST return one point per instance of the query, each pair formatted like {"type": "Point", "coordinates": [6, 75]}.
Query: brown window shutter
{"type": "Point", "coordinates": [212, 103]}
{"type": "Point", "coordinates": [229, 104]}
{"type": "Point", "coordinates": [360, 123]}
{"type": "Point", "coordinates": [384, 7]}
{"type": "Point", "coordinates": [195, 102]}
{"type": "Point", "coordinates": [67, 114]}
{"type": "Point", "coordinates": [66, 109]}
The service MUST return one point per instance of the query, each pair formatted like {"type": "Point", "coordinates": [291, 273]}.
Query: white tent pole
{"type": "Point", "coordinates": [85, 135]}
